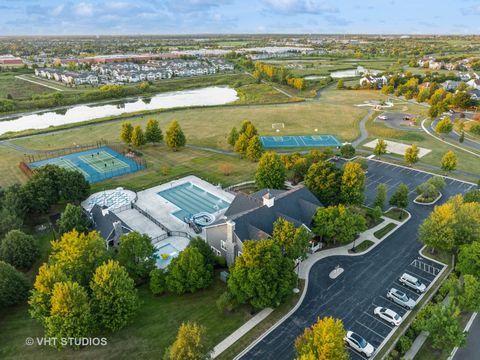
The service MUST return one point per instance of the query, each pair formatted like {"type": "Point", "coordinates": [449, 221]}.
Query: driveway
{"type": "Point", "coordinates": [366, 279]}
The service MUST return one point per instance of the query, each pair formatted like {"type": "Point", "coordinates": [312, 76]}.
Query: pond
{"type": "Point", "coordinates": [215, 95]}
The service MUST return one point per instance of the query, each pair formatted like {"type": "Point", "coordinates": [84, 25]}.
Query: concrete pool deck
{"type": "Point", "coordinates": [162, 209]}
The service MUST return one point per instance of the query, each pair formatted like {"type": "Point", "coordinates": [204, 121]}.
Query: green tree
{"type": "Point", "coordinates": [461, 139]}
{"type": "Point", "coordinates": [262, 276]}
{"type": "Point", "coordinates": [472, 196]}
{"type": "Point", "coordinates": [13, 286]}
{"type": "Point", "coordinates": [449, 161]}
{"type": "Point", "coordinates": [71, 315]}
{"type": "Point", "coordinates": [138, 137]}
{"type": "Point", "coordinates": [204, 249]}
{"type": "Point", "coordinates": [233, 136]}
{"type": "Point", "coordinates": [270, 173]}
{"type": "Point", "coordinates": [241, 145]}
{"type": "Point", "coordinates": [153, 133]}
{"type": "Point", "coordinates": [444, 126]}
{"type": "Point", "coordinates": [340, 84]}
{"type": "Point", "coordinates": [444, 327]}
{"type": "Point", "coordinates": [293, 241]}
{"type": "Point", "coordinates": [175, 138]}
{"type": "Point", "coordinates": [73, 217]}
{"type": "Point", "coordinates": [338, 224]}
{"type": "Point", "coordinates": [423, 95]}
{"type": "Point", "coordinates": [347, 151]}
{"type": "Point", "coordinates": [189, 344]}
{"type": "Point", "coordinates": [324, 180]}
{"type": "Point", "coordinates": [78, 254]}
{"type": "Point", "coordinates": [137, 254]}
{"type": "Point", "coordinates": [469, 259]}
{"type": "Point", "coordinates": [244, 128]}
{"type": "Point", "coordinates": [39, 301]}
{"type": "Point", "coordinates": [352, 184]}
{"type": "Point", "coordinates": [380, 148]}
{"type": "Point", "coordinates": [114, 297]}
{"type": "Point", "coordinates": [469, 299]}
{"type": "Point", "coordinates": [19, 249]}
{"type": "Point", "coordinates": [399, 198]}
{"type": "Point", "coordinates": [126, 132]}
{"type": "Point", "coordinates": [436, 230]}
{"type": "Point", "coordinates": [411, 154]}
{"type": "Point", "coordinates": [188, 272]}
{"type": "Point", "coordinates": [254, 148]}
{"type": "Point", "coordinates": [158, 283]}
{"type": "Point", "coordinates": [323, 340]}
{"type": "Point", "coordinates": [381, 197]}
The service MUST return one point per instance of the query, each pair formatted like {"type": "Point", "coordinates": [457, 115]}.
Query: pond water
{"type": "Point", "coordinates": [360, 70]}
{"type": "Point", "coordinates": [215, 95]}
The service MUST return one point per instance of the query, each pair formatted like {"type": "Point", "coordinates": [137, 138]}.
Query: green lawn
{"type": "Point", "coordinates": [384, 230]}
{"type": "Point", "coordinates": [17, 88]}
{"type": "Point", "coordinates": [364, 245]}
{"type": "Point", "coordinates": [396, 214]}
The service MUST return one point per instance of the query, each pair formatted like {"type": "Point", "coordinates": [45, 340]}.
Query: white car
{"type": "Point", "coordinates": [357, 343]}
{"type": "Point", "coordinates": [388, 315]}
{"type": "Point", "coordinates": [401, 298]}
{"type": "Point", "coordinates": [383, 117]}
{"type": "Point", "coordinates": [412, 282]}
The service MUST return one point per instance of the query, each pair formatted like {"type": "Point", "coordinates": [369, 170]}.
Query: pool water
{"type": "Point", "coordinates": [191, 200]}
{"type": "Point", "coordinates": [169, 249]}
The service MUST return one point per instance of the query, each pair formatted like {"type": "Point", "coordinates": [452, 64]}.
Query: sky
{"type": "Point", "coordinates": [97, 17]}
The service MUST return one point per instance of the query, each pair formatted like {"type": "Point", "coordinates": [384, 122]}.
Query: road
{"type": "Point", "coordinates": [471, 350]}
{"type": "Point", "coordinates": [366, 278]}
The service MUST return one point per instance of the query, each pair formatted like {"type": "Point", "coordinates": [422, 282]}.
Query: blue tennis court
{"type": "Point", "coordinates": [192, 200]}
{"type": "Point", "coordinates": [95, 164]}
{"type": "Point", "coordinates": [270, 142]}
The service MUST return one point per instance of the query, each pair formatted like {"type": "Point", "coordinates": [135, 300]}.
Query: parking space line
{"type": "Point", "coordinates": [401, 313]}
{"type": "Point", "coordinates": [393, 303]}
{"type": "Point", "coordinates": [358, 354]}
{"type": "Point", "coordinates": [373, 331]}
{"type": "Point", "coordinates": [381, 321]}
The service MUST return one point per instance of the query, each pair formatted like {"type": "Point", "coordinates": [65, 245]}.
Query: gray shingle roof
{"type": "Point", "coordinates": [104, 220]}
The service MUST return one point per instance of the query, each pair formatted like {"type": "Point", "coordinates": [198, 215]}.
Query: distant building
{"type": "Point", "coordinates": [10, 60]}
{"type": "Point", "coordinates": [378, 81]}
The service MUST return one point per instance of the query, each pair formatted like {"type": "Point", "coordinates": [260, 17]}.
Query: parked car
{"type": "Point", "coordinates": [412, 282]}
{"type": "Point", "coordinates": [388, 315]}
{"type": "Point", "coordinates": [383, 117]}
{"type": "Point", "coordinates": [358, 343]}
{"type": "Point", "coordinates": [401, 299]}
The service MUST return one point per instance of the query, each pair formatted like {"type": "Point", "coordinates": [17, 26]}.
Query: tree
{"type": "Point", "coordinates": [437, 230]}
{"type": "Point", "coordinates": [137, 254]}
{"type": "Point", "coordinates": [324, 180]}
{"type": "Point", "coordinates": [472, 196]}
{"type": "Point", "coordinates": [340, 84]}
{"type": "Point", "coordinates": [175, 138]}
{"type": "Point", "coordinates": [126, 132]}
{"type": "Point", "coordinates": [153, 133]}
{"type": "Point", "coordinates": [226, 169]}
{"type": "Point", "coordinates": [188, 272]}
{"type": "Point", "coordinates": [461, 139]}
{"type": "Point", "coordinates": [270, 173]}
{"type": "Point", "coordinates": [338, 224]}
{"type": "Point", "coordinates": [13, 286]}
{"type": "Point", "coordinates": [352, 184]}
{"type": "Point", "coordinates": [411, 154]}
{"type": "Point", "coordinates": [73, 217]}
{"type": "Point", "coordinates": [204, 249]}
{"type": "Point", "coordinates": [189, 344]}
{"type": "Point", "coordinates": [444, 126]}
{"type": "Point", "coordinates": [423, 95]}
{"type": "Point", "coordinates": [78, 254]}
{"type": "Point", "coordinates": [262, 276]}
{"type": "Point", "coordinates": [347, 151]}
{"type": "Point", "coordinates": [158, 281]}
{"type": "Point", "coordinates": [469, 259]}
{"type": "Point", "coordinates": [400, 196]}
{"type": "Point", "coordinates": [449, 161]}
{"type": "Point", "coordinates": [323, 340]}
{"type": "Point", "coordinates": [19, 249]}
{"type": "Point", "coordinates": [138, 137]}
{"type": "Point", "coordinates": [380, 147]}
{"type": "Point", "coordinates": [114, 297]}
{"type": "Point", "coordinates": [233, 136]}
{"type": "Point", "coordinates": [241, 145]}
{"type": "Point", "coordinates": [293, 241]}
{"type": "Point", "coordinates": [469, 299]}
{"type": "Point", "coordinates": [254, 148]}
{"type": "Point", "coordinates": [39, 301]}
{"type": "Point", "coordinates": [381, 196]}
{"type": "Point", "coordinates": [71, 315]}
{"type": "Point", "coordinates": [444, 327]}
{"type": "Point", "coordinates": [244, 128]}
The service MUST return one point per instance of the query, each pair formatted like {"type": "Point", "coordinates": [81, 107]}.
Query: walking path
{"type": "Point", "coordinates": [363, 130]}
{"type": "Point", "coordinates": [38, 83]}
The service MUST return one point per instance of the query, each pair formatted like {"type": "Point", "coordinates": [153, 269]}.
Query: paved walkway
{"type": "Point", "coordinates": [39, 83]}
{"type": "Point", "coordinates": [242, 330]}
{"type": "Point", "coordinates": [363, 130]}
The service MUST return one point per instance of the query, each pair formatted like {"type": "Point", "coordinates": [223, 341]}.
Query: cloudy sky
{"type": "Point", "coordinates": [49, 17]}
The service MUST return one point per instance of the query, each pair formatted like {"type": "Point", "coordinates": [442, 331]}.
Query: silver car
{"type": "Point", "coordinates": [401, 299]}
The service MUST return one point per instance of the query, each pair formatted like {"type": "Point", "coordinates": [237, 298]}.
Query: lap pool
{"type": "Point", "coordinates": [192, 200]}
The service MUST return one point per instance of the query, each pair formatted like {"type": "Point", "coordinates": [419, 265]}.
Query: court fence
{"type": "Point", "coordinates": [48, 154]}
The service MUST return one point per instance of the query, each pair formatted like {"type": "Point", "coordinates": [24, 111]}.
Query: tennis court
{"type": "Point", "coordinates": [96, 164]}
{"type": "Point", "coordinates": [270, 142]}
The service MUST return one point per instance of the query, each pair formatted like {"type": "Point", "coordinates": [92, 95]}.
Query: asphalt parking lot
{"type": "Point", "coordinates": [366, 279]}
{"type": "Point", "coordinates": [396, 120]}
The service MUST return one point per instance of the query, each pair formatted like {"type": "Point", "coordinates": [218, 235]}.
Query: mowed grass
{"type": "Point", "coordinates": [19, 89]}
{"type": "Point", "coordinates": [152, 329]}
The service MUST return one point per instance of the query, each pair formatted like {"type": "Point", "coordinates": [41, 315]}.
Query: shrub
{"type": "Point", "coordinates": [19, 249]}
{"type": "Point", "coordinates": [157, 281]}
{"type": "Point", "coordinates": [221, 261]}
{"type": "Point", "coordinates": [404, 344]}
{"type": "Point", "coordinates": [226, 302]}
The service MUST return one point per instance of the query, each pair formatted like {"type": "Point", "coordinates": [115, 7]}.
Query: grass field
{"type": "Point", "coordinates": [19, 89]}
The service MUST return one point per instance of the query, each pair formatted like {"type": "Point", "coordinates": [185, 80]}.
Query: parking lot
{"type": "Point", "coordinates": [398, 120]}
{"type": "Point", "coordinates": [367, 278]}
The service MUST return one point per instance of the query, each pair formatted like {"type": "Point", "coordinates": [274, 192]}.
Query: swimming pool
{"type": "Point", "coordinates": [167, 249]}
{"type": "Point", "coordinates": [191, 200]}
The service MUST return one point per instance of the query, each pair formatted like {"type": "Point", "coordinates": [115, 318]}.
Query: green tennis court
{"type": "Point", "coordinates": [103, 161]}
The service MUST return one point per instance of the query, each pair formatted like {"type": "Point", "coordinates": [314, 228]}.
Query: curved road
{"type": "Point", "coordinates": [455, 137]}
{"type": "Point", "coordinates": [365, 280]}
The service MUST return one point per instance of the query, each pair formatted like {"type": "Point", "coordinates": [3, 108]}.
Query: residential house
{"type": "Point", "coordinates": [251, 217]}
{"type": "Point", "coordinates": [474, 94]}
{"type": "Point", "coordinates": [450, 85]}
{"type": "Point", "coordinates": [109, 225]}
{"type": "Point", "coordinates": [474, 84]}
{"type": "Point", "coordinates": [369, 80]}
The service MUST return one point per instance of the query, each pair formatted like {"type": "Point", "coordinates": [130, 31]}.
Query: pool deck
{"type": "Point", "coordinates": [140, 223]}
{"type": "Point", "coordinates": [161, 209]}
